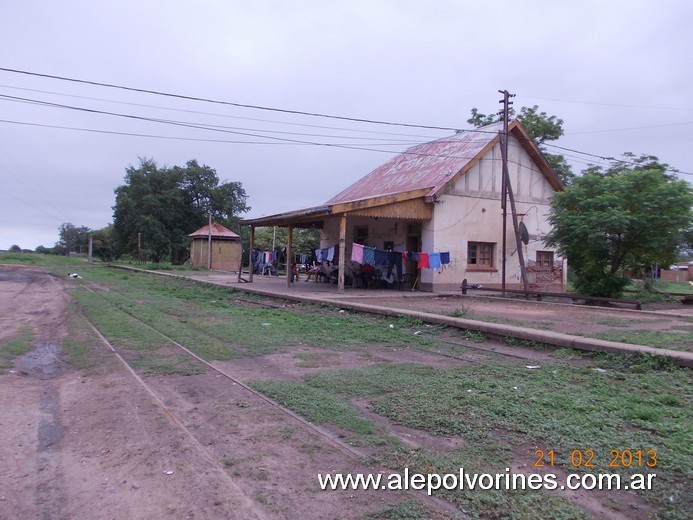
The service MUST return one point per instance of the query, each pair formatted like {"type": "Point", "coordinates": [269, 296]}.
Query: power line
{"type": "Point", "coordinates": [224, 129]}
{"type": "Point", "coordinates": [192, 124]}
{"type": "Point", "coordinates": [173, 138]}
{"type": "Point", "coordinates": [611, 159]}
{"type": "Point", "coordinates": [214, 128]}
{"type": "Point", "coordinates": [229, 103]}
{"type": "Point", "coordinates": [289, 123]}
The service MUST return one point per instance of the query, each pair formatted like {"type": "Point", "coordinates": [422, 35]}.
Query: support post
{"type": "Point", "coordinates": [251, 246]}
{"type": "Point", "coordinates": [342, 252]}
{"type": "Point", "coordinates": [289, 255]}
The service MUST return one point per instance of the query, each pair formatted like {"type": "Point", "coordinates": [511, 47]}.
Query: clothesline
{"type": "Point", "coordinates": [373, 256]}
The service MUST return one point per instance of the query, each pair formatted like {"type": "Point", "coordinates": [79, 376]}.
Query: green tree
{"type": "Point", "coordinates": [541, 127]}
{"type": "Point", "coordinates": [164, 205]}
{"type": "Point", "coordinates": [73, 239]}
{"type": "Point", "coordinates": [14, 248]}
{"type": "Point", "coordinates": [104, 245]}
{"type": "Point", "coordinates": [629, 216]}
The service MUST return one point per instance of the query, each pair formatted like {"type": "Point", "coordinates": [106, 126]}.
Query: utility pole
{"type": "Point", "coordinates": [507, 192]}
{"type": "Point", "coordinates": [504, 113]}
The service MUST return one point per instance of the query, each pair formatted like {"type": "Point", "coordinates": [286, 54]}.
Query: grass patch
{"type": "Point", "coordinates": [168, 365]}
{"type": "Point", "coordinates": [407, 510]}
{"type": "Point", "coordinates": [41, 259]}
{"type": "Point", "coordinates": [652, 338]}
{"type": "Point", "coordinates": [206, 319]}
{"type": "Point", "coordinates": [12, 349]}
{"type": "Point", "coordinates": [84, 349]}
{"type": "Point", "coordinates": [557, 406]}
{"type": "Point", "coordinates": [316, 405]}
{"type": "Point", "coordinates": [620, 322]}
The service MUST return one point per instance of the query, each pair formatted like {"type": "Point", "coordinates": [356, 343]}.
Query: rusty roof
{"type": "Point", "coordinates": [422, 170]}
{"type": "Point", "coordinates": [218, 231]}
{"type": "Point", "coordinates": [429, 165]}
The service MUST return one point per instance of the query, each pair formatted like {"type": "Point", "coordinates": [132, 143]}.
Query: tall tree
{"type": "Point", "coordinates": [541, 127]}
{"type": "Point", "coordinates": [165, 205]}
{"type": "Point", "coordinates": [104, 244]}
{"type": "Point", "coordinates": [73, 239]}
{"type": "Point", "coordinates": [629, 216]}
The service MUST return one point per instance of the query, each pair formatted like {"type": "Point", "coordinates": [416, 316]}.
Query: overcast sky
{"type": "Point", "coordinates": [619, 73]}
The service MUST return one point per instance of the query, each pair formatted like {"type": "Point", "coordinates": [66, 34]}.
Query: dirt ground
{"type": "Point", "coordinates": [106, 444]}
{"type": "Point", "coordinates": [556, 316]}
{"type": "Point", "coordinates": [110, 443]}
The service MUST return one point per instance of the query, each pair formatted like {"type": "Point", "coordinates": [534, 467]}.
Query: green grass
{"type": "Point", "coordinates": [205, 318]}
{"type": "Point", "coordinates": [666, 286]}
{"type": "Point", "coordinates": [42, 259]}
{"type": "Point", "coordinates": [622, 322]}
{"type": "Point", "coordinates": [653, 338]}
{"type": "Point", "coordinates": [557, 407]}
{"type": "Point", "coordinates": [16, 347]}
{"type": "Point", "coordinates": [316, 405]}
{"type": "Point", "coordinates": [162, 364]}
{"type": "Point", "coordinates": [500, 409]}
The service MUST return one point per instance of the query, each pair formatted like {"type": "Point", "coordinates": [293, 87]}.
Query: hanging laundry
{"type": "Point", "coordinates": [445, 258]}
{"type": "Point", "coordinates": [369, 255]}
{"type": "Point", "coordinates": [330, 254]}
{"type": "Point", "coordinates": [381, 257]}
{"type": "Point", "coordinates": [434, 260]}
{"type": "Point", "coordinates": [357, 253]}
{"type": "Point", "coordinates": [423, 260]}
{"type": "Point", "coordinates": [394, 261]}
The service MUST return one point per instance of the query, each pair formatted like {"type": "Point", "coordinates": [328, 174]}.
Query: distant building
{"type": "Point", "coordinates": [679, 272]}
{"type": "Point", "coordinates": [226, 248]}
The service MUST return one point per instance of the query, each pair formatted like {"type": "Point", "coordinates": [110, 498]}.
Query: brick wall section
{"type": "Point", "coordinates": [545, 280]}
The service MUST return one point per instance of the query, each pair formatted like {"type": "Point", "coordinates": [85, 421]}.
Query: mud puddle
{"type": "Point", "coordinates": [43, 361]}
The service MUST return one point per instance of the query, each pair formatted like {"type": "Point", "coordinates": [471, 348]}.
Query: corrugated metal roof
{"type": "Point", "coordinates": [429, 165]}
{"type": "Point", "coordinates": [218, 231]}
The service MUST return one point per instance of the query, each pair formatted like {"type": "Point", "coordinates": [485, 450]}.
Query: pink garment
{"type": "Point", "coordinates": [357, 253]}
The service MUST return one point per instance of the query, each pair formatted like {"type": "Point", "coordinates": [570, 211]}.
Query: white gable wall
{"type": "Point", "coordinates": [470, 211]}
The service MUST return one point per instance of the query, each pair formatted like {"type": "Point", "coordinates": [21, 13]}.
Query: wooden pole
{"type": "Point", "coordinates": [289, 255]}
{"type": "Point", "coordinates": [250, 253]}
{"type": "Point", "coordinates": [342, 252]}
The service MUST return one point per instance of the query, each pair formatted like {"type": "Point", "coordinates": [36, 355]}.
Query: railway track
{"type": "Point", "coordinates": [326, 435]}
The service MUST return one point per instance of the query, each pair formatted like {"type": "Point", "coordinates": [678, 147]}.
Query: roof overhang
{"type": "Point", "coordinates": [397, 205]}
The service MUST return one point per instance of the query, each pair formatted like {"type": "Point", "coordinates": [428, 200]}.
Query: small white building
{"type": "Point", "coordinates": [445, 197]}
